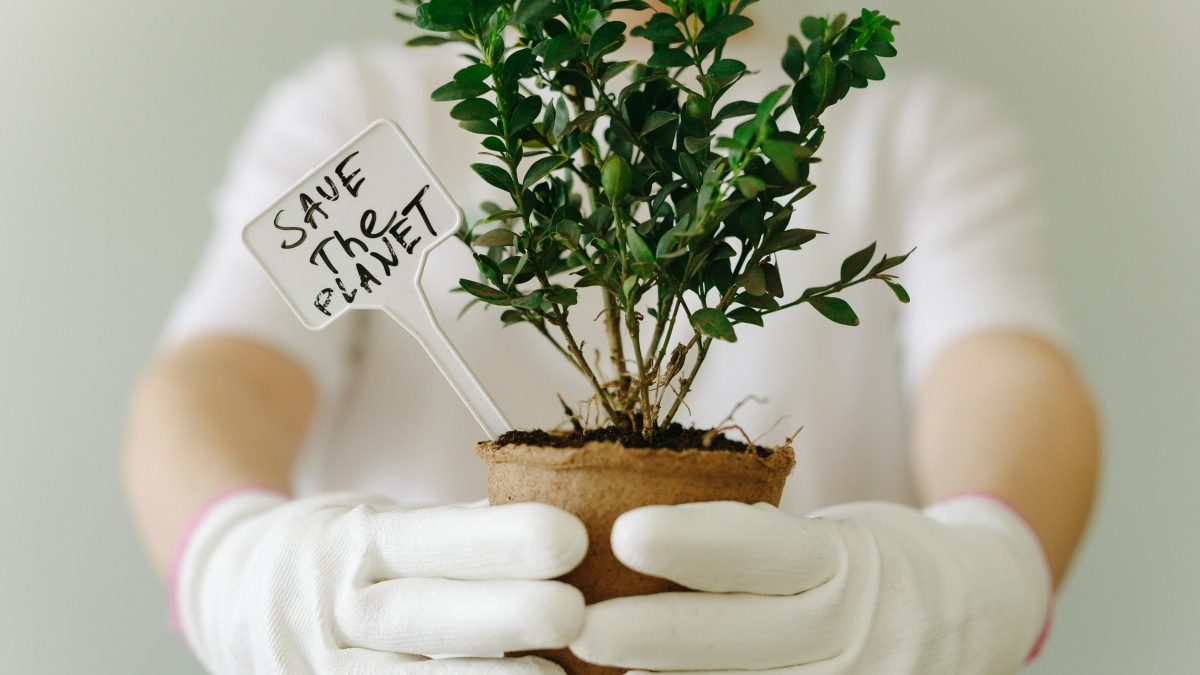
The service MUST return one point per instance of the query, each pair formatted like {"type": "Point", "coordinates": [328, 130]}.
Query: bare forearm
{"type": "Point", "coordinates": [1006, 414]}
{"type": "Point", "coordinates": [215, 414]}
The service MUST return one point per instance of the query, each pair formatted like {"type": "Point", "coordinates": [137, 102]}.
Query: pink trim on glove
{"type": "Point", "coordinates": [186, 537]}
{"type": "Point", "coordinates": [1045, 633]}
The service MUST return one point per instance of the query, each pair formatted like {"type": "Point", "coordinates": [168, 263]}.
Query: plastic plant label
{"type": "Point", "coordinates": [355, 233]}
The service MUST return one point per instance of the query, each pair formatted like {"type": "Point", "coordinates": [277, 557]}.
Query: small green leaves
{"type": "Point", "coordinates": [454, 91]}
{"type": "Point", "coordinates": [534, 11]}
{"type": "Point", "coordinates": [638, 247]}
{"type": "Point", "coordinates": [496, 237]}
{"type": "Point", "coordinates": [643, 181]}
{"type": "Point", "coordinates": [856, 263]}
{"type": "Point", "coordinates": [724, 28]}
{"type": "Point", "coordinates": [835, 309]}
{"type": "Point", "coordinates": [484, 292]}
{"type": "Point", "coordinates": [443, 15]}
{"type": "Point", "coordinates": [714, 324]}
{"type": "Point", "coordinates": [541, 169]}
{"type": "Point", "coordinates": [495, 176]}
{"type": "Point", "coordinates": [606, 38]}
{"type": "Point", "coordinates": [474, 109]}
{"type": "Point", "coordinates": [866, 64]}
{"type": "Point", "coordinates": [670, 58]}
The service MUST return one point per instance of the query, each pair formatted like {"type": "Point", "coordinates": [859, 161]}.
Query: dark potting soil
{"type": "Point", "coordinates": [674, 437]}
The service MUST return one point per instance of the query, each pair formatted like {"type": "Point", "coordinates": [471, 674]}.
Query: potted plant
{"type": "Point", "coordinates": [638, 181]}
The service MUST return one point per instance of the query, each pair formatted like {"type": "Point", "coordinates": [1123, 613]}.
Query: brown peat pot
{"type": "Point", "coordinates": [602, 479]}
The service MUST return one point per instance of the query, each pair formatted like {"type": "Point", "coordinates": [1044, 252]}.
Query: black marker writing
{"type": "Point", "coordinates": [310, 207]}
{"type": "Point", "coordinates": [416, 201]}
{"type": "Point", "coordinates": [341, 167]}
{"type": "Point", "coordinates": [303, 234]}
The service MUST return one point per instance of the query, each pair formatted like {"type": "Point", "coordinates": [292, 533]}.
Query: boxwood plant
{"type": "Point", "coordinates": [645, 181]}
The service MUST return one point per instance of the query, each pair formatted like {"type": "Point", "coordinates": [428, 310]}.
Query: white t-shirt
{"type": "Point", "coordinates": [916, 162]}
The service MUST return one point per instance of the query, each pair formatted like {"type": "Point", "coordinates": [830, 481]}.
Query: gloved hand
{"type": "Point", "coordinates": [354, 584]}
{"type": "Point", "coordinates": [876, 588]}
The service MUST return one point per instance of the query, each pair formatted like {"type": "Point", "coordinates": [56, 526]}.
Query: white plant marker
{"type": "Point", "coordinates": [354, 233]}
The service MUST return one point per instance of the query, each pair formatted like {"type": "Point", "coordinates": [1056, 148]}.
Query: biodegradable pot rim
{"type": "Point", "coordinates": [612, 454]}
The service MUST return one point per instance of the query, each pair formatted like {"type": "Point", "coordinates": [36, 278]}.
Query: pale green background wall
{"type": "Point", "coordinates": [115, 118]}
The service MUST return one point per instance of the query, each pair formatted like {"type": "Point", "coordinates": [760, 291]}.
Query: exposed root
{"type": "Point", "coordinates": [712, 434]}
{"type": "Point", "coordinates": [757, 399]}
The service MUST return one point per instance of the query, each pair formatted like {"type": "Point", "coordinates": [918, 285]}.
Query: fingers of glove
{"type": "Point", "coordinates": [526, 665]}
{"type": "Point", "coordinates": [513, 541]}
{"type": "Point", "coordinates": [444, 616]}
{"type": "Point", "coordinates": [705, 631]}
{"type": "Point", "coordinates": [724, 547]}
{"type": "Point", "coordinates": [367, 662]}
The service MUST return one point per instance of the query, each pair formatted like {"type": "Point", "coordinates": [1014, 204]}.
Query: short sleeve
{"type": "Point", "coordinates": [302, 119]}
{"type": "Point", "coordinates": [970, 208]}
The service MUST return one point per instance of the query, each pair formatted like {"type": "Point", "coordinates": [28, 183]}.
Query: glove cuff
{"type": "Point", "coordinates": [997, 512]}
{"type": "Point", "coordinates": [238, 500]}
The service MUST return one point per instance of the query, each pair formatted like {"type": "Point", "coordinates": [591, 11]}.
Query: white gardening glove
{"type": "Point", "coordinates": [353, 584]}
{"type": "Point", "coordinates": [960, 588]}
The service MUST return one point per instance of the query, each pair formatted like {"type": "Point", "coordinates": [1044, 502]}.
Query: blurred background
{"type": "Point", "coordinates": [115, 122]}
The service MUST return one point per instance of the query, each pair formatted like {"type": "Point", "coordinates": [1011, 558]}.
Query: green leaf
{"type": "Point", "coordinates": [746, 315]}
{"type": "Point", "coordinates": [637, 246]}
{"type": "Point", "coordinates": [783, 155]}
{"type": "Point", "coordinates": [888, 263]}
{"type": "Point", "coordinates": [496, 237]}
{"type": "Point", "coordinates": [524, 114]}
{"type": "Point", "coordinates": [714, 324]}
{"type": "Point", "coordinates": [495, 176]}
{"type": "Point", "coordinates": [750, 186]}
{"type": "Point", "coordinates": [485, 293]}
{"type": "Point", "coordinates": [582, 121]}
{"type": "Point", "coordinates": [727, 68]}
{"type": "Point", "coordinates": [454, 91]}
{"type": "Point", "coordinates": [427, 41]}
{"type": "Point", "coordinates": [474, 109]}
{"type": "Point", "coordinates": [669, 58]}
{"type": "Point", "coordinates": [662, 28]}
{"type": "Point", "coordinates": [534, 11]}
{"type": "Point", "coordinates": [606, 38]}
{"type": "Point", "coordinates": [824, 77]}
{"type": "Point", "coordinates": [764, 302]}
{"type": "Point", "coordinates": [881, 48]}
{"type": "Point", "coordinates": [856, 263]}
{"type": "Point", "coordinates": [485, 127]}
{"type": "Point", "coordinates": [788, 240]}
{"type": "Point", "coordinates": [490, 269]}
{"type": "Point", "coordinates": [494, 144]}
{"type": "Point", "coordinates": [519, 64]}
{"type": "Point", "coordinates": [735, 109]}
{"type": "Point", "coordinates": [511, 316]}
{"type": "Point", "coordinates": [793, 58]}
{"type": "Point", "coordinates": [835, 309]}
{"type": "Point", "coordinates": [724, 27]}
{"type": "Point", "coordinates": [867, 65]}
{"type": "Point", "coordinates": [541, 168]}
{"type": "Point", "coordinates": [901, 294]}
{"type": "Point", "coordinates": [657, 119]}
{"type": "Point", "coordinates": [532, 301]}
{"type": "Point", "coordinates": [443, 15]}
{"type": "Point", "coordinates": [473, 74]}
{"type": "Point", "coordinates": [559, 49]}
{"type": "Point", "coordinates": [773, 280]}
{"type": "Point", "coordinates": [754, 280]}
{"type": "Point", "coordinates": [813, 28]}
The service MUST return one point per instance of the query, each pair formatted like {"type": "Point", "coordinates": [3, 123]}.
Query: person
{"type": "Point", "coordinates": [311, 499]}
